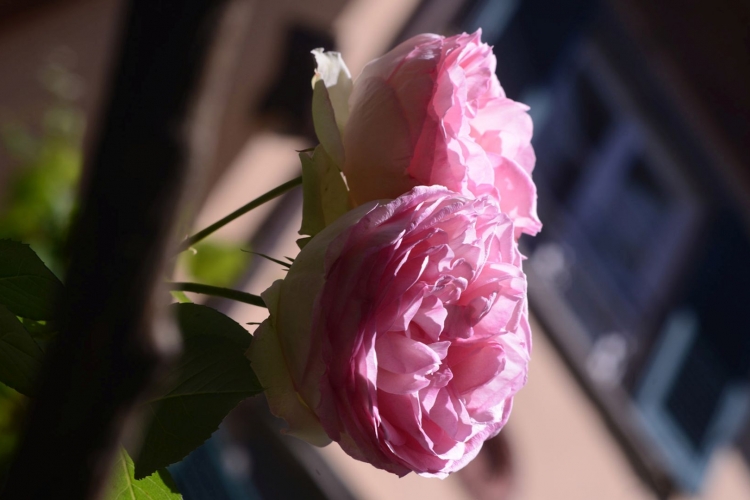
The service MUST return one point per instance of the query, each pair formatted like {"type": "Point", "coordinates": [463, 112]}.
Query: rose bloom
{"type": "Point", "coordinates": [401, 332]}
{"type": "Point", "coordinates": [432, 112]}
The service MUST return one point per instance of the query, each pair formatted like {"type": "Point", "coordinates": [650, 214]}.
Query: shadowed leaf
{"type": "Point", "coordinates": [211, 378]}
{"type": "Point", "coordinates": [27, 287]}
{"type": "Point", "coordinates": [20, 356]}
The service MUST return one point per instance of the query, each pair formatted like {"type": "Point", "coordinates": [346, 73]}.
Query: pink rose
{"type": "Point", "coordinates": [400, 332]}
{"type": "Point", "coordinates": [432, 112]}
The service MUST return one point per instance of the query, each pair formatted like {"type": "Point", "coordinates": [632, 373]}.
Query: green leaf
{"type": "Point", "coordinates": [27, 287]}
{"type": "Point", "coordinates": [181, 297]}
{"type": "Point", "coordinates": [41, 330]}
{"type": "Point", "coordinates": [211, 378]}
{"type": "Point", "coordinates": [44, 333]}
{"type": "Point", "coordinates": [197, 321]}
{"type": "Point", "coordinates": [124, 486]}
{"type": "Point", "coordinates": [325, 197]}
{"type": "Point", "coordinates": [20, 356]}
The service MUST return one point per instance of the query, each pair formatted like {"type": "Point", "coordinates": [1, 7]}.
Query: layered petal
{"type": "Point", "coordinates": [432, 112]}
{"type": "Point", "coordinates": [403, 327]}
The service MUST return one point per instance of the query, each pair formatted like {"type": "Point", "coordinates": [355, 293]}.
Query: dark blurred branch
{"type": "Point", "coordinates": [108, 353]}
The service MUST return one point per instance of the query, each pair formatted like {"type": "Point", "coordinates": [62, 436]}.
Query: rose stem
{"type": "Point", "coordinates": [274, 193]}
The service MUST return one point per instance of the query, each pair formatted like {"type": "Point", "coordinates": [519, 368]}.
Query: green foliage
{"type": "Point", "coordinates": [212, 375]}
{"type": "Point", "coordinates": [124, 486]}
{"type": "Point", "coordinates": [43, 332]}
{"type": "Point", "coordinates": [37, 200]}
{"type": "Point", "coordinates": [197, 321]}
{"type": "Point", "coordinates": [20, 356]}
{"type": "Point", "coordinates": [27, 288]}
{"type": "Point", "coordinates": [214, 263]}
{"type": "Point", "coordinates": [39, 196]}
{"type": "Point", "coordinates": [180, 297]}
{"type": "Point", "coordinates": [12, 409]}
{"type": "Point", "coordinates": [211, 378]}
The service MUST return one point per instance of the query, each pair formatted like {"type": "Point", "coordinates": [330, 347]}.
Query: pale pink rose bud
{"type": "Point", "coordinates": [432, 112]}
{"type": "Point", "coordinates": [401, 332]}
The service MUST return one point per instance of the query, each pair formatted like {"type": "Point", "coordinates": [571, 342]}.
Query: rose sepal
{"type": "Point", "coordinates": [325, 196]}
{"type": "Point", "coordinates": [332, 86]}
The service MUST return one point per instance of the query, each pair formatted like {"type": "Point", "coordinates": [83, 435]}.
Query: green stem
{"type": "Point", "coordinates": [217, 291]}
{"type": "Point", "coordinates": [274, 193]}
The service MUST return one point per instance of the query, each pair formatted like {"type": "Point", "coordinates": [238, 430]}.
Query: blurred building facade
{"type": "Point", "coordinates": [640, 274]}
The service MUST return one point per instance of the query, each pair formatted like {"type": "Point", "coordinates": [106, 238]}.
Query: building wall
{"type": "Point", "coordinates": [78, 34]}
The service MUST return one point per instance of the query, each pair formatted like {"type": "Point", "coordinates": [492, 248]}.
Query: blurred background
{"type": "Point", "coordinates": [639, 281]}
